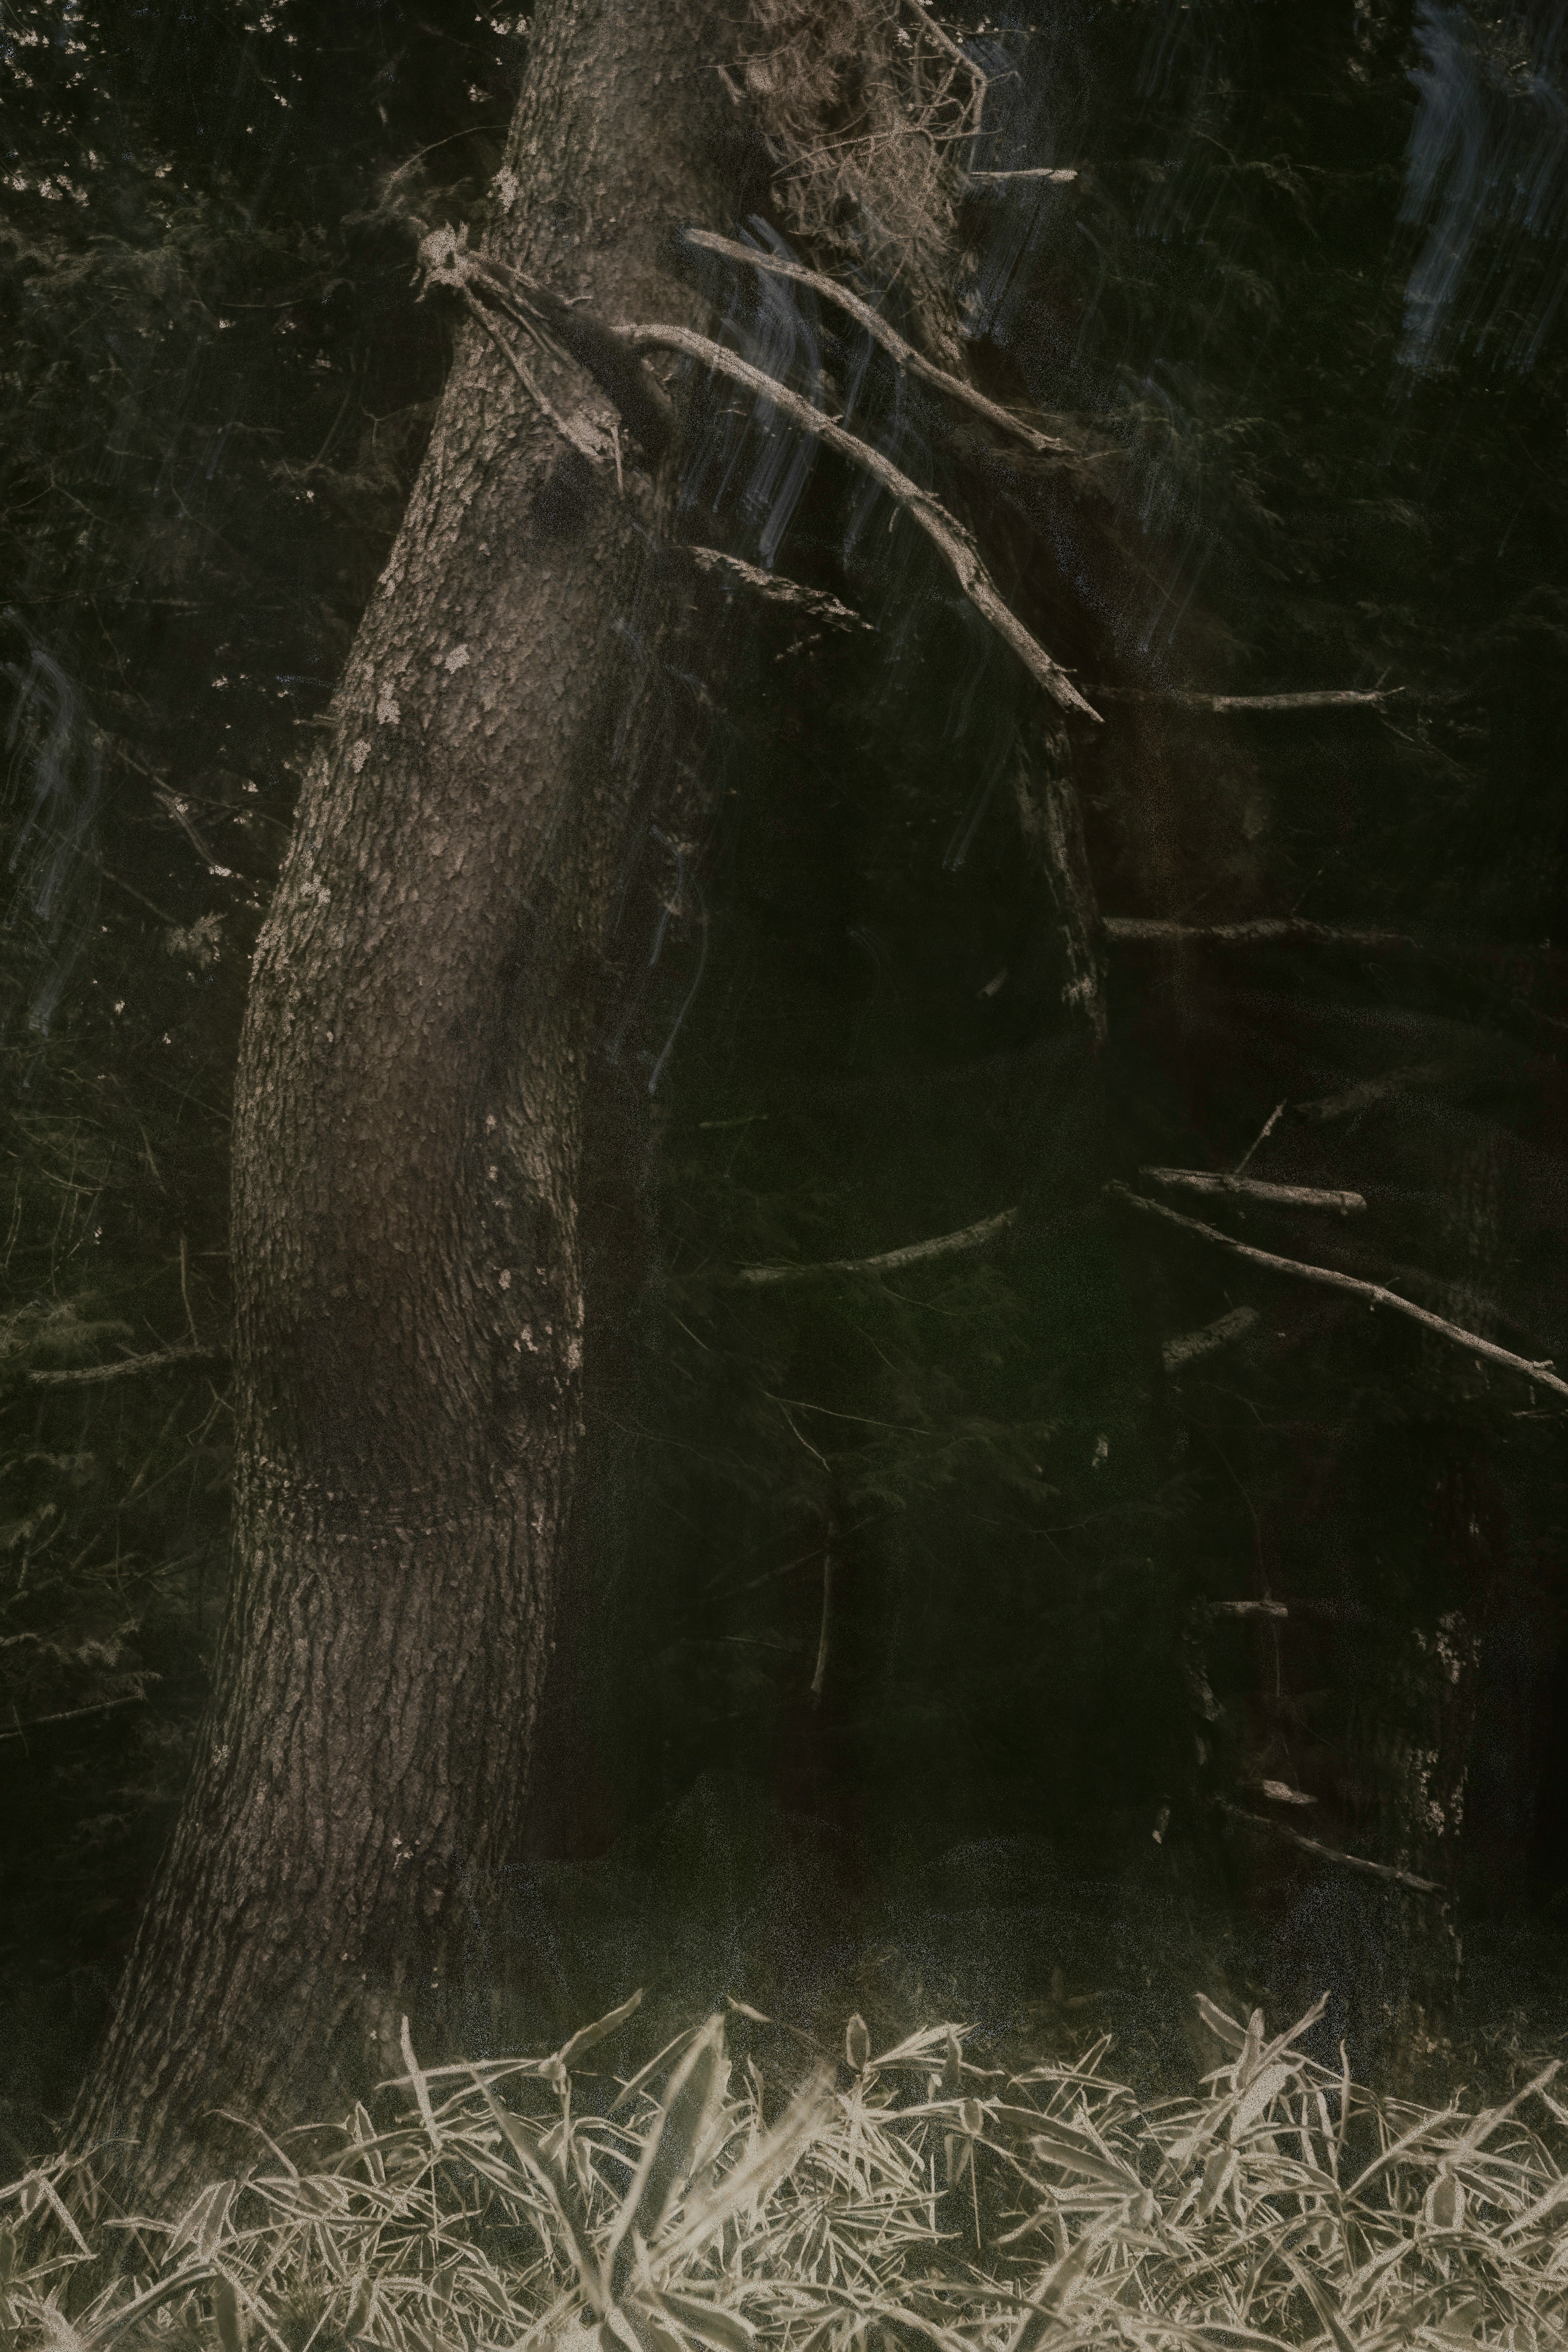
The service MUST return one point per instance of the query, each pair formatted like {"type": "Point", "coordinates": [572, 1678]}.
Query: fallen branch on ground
{"type": "Point", "coordinates": [973, 1237]}
{"type": "Point", "coordinates": [912, 362]}
{"type": "Point", "coordinates": [1253, 1187]}
{"type": "Point", "coordinates": [1330, 1279]}
{"type": "Point", "coordinates": [944, 532]}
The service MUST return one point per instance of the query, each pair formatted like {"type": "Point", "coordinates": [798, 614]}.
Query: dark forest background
{"type": "Point", "coordinates": [1065, 1597]}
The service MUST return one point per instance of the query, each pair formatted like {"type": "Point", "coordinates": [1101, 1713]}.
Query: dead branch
{"type": "Point", "coordinates": [1052, 823]}
{"type": "Point", "coordinates": [779, 590]}
{"type": "Point", "coordinates": [1355, 697]}
{"type": "Point", "coordinates": [1330, 1278]}
{"type": "Point", "coordinates": [129, 1366]}
{"type": "Point", "coordinates": [1386, 1870]}
{"type": "Point", "coordinates": [1157, 929]}
{"type": "Point", "coordinates": [1190, 1345]}
{"type": "Point", "coordinates": [944, 532]}
{"type": "Point", "coordinates": [74, 1714]}
{"type": "Point", "coordinates": [1029, 172]}
{"type": "Point", "coordinates": [908, 358]}
{"type": "Point", "coordinates": [1252, 1188]}
{"type": "Point", "coordinates": [973, 1237]}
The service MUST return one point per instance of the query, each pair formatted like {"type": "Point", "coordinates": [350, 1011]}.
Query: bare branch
{"type": "Point", "coordinates": [129, 1366]}
{"type": "Point", "coordinates": [1029, 172]}
{"type": "Point", "coordinates": [1330, 1278]}
{"type": "Point", "coordinates": [1388, 1870]}
{"type": "Point", "coordinates": [973, 1237]}
{"type": "Point", "coordinates": [779, 589]}
{"type": "Point", "coordinates": [1052, 822]}
{"type": "Point", "coordinates": [1357, 698]}
{"type": "Point", "coordinates": [1252, 1188]}
{"type": "Point", "coordinates": [945, 533]}
{"type": "Point", "coordinates": [908, 358]}
{"type": "Point", "coordinates": [1157, 929]}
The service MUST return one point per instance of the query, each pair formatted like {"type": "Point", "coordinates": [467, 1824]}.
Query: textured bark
{"type": "Point", "coordinates": [407, 1133]}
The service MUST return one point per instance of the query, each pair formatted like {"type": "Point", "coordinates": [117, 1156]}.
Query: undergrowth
{"type": "Point", "coordinates": [869, 2201]}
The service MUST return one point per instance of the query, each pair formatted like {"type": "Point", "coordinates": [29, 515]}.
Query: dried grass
{"type": "Point", "coordinates": [868, 108]}
{"type": "Point", "coordinates": [888, 2199]}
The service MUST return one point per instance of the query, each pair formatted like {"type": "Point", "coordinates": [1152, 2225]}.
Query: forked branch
{"type": "Point", "coordinates": [1330, 1278]}
{"type": "Point", "coordinates": [944, 532]}
{"type": "Point", "coordinates": [912, 362]}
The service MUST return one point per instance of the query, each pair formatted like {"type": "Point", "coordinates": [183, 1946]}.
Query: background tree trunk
{"type": "Point", "coordinates": [407, 1130]}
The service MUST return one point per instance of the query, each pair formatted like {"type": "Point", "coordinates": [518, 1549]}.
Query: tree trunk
{"type": "Point", "coordinates": [407, 1132]}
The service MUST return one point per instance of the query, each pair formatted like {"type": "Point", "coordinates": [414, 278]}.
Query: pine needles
{"type": "Point", "coordinates": [884, 2200]}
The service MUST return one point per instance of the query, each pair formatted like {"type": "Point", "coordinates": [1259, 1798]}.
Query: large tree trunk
{"type": "Point", "coordinates": [408, 1131]}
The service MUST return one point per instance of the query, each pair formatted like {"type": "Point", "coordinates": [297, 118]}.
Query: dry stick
{"type": "Point", "coordinates": [1354, 698]}
{"type": "Point", "coordinates": [889, 336]}
{"type": "Point", "coordinates": [1031, 172]}
{"type": "Point", "coordinates": [1161, 931]}
{"type": "Point", "coordinates": [1261, 1137]}
{"type": "Point", "coordinates": [1253, 1187]}
{"type": "Point", "coordinates": [1053, 828]}
{"type": "Point", "coordinates": [1327, 1853]}
{"type": "Point", "coordinates": [945, 1246]}
{"type": "Point", "coordinates": [72, 1714]}
{"type": "Point", "coordinates": [945, 533]}
{"type": "Point", "coordinates": [81, 1375]}
{"type": "Point", "coordinates": [1372, 1292]}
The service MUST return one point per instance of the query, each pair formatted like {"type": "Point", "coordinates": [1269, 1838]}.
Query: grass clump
{"type": "Point", "coordinates": [863, 2202]}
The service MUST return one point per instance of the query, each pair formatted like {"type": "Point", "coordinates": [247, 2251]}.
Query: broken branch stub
{"type": "Point", "coordinates": [1253, 1187]}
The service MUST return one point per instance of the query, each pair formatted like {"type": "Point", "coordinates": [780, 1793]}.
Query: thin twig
{"type": "Point", "coordinates": [1252, 1188]}
{"type": "Point", "coordinates": [129, 1367]}
{"type": "Point", "coordinates": [1357, 698]}
{"type": "Point", "coordinates": [1030, 172]}
{"type": "Point", "coordinates": [945, 1246]}
{"type": "Point", "coordinates": [912, 362]}
{"type": "Point", "coordinates": [1158, 930]}
{"type": "Point", "coordinates": [1388, 1870]}
{"type": "Point", "coordinates": [1330, 1278]}
{"type": "Point", "coordinates": [1261, 1137]}
{"type": "Point", "coordinates": [74, 1714]}
{"type": "Point", "coordinates": [946, 534]}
